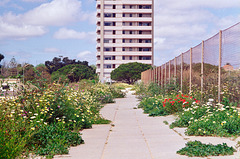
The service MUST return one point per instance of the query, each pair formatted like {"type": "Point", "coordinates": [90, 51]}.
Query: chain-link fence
{"type": "Point", "coordinates": [211, 68]}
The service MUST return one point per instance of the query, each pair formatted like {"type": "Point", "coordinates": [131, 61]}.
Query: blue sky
{"type": "Point", "coordinates": [35, 31]}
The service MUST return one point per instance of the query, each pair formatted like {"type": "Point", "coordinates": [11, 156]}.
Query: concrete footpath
{"type": "Point", "coordinates": [134, 135]}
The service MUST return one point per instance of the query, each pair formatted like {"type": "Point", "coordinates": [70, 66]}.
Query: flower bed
{"type": "Point", "coordinates": [206, 120]}
{"type": "Point", "coordinates": [165, 105]}
{"type": "Point", "coordinates": [46, 121]}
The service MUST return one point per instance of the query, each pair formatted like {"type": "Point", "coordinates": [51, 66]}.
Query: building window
{"type": "Point", "coordinates": [107, 58]}
{"type": "Point", "coordinates": [109, 23]}
{"type": "Point", "coordinates": [130, 57]}
{"type": "Point", "coordinates": [144, 57]}
{"type": "Point", "coordinates": [148, 41]}
{"type": "Point", "coordinates": [123, 40]}
{"type": "Point", "coordinates": [107, 49]}
{"type": "Point", "coordinates": [123, 6]}
{"type": "Point", "coordinates": [146, 49]}
{"type": "Point", "coordinates": [123, 57]}
{"type": "Point", "coordinates": [146, 6]}
{"type": "Point", "coordinates": [123, 49]}
{"type": "Point", "coordinates": [107, 40]}
{"type": "Point", "coordinates": [107, 66]}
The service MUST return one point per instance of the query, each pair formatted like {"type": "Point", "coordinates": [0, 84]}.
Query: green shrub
{"type": "Point", "coordinates": [196, 148]}
{"type": "Point", "coordinates": [160, 105]}
{"type": "Point", "coordinates": [153, 106]}
{"type": "Point", "coordinates": [221, 122]}
{"type": "Point", "coordinates": [206, 120]}
{"type": "Point", "coordinates": [53, 139]}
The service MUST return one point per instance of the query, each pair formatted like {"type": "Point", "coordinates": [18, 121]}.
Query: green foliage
{"type": "Point", "coordinates": [73, 73]}
{"type": "Point", "coordinates": [130, 72]}
{"type": "Point", "coordinates": [196, 148]}
{"type": "Point", "coordinates": [14, 131]}
{"type": "Point", "coordinates": [153, 106]}
{"type": "Point", "coordinates": [58, 63]}
{"type": "Point", "coordinates": [164, 105]}
{"type": "Point", "coordinates": [44, 119]}
{"type": "Point", "coordinates": [206, 120]}
{"type": "Point", "coordinates": [53, 139]}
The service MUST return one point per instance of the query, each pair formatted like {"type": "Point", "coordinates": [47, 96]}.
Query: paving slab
{"type": "Point", "coordinates": [134, 135]}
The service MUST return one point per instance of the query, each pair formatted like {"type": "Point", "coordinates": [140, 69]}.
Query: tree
{"type": "Point", "coordinates": [130, 72]}
{"type": "Point", "coordinates": [73, 73]}
{"type": "Point", "coordinates": [58, 63]}
{"type": "Point", "coordinates": [1, 57]}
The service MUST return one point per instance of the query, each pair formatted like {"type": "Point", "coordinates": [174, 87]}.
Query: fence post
{"type": "Point", "coordinates": [165, 80]}
{"type": "Point", "coordinates": [219, 67]}
{"type": "Point", "coordinates": [190, 76]}
{"type": "Point", "coordinates": [202, 69]}
{"type": "Point", "coordinates": [181, 72]}
{"type": "Point", "coordinates": [162, 76]}
{"type": "Point", "coordinates": [175, 70]}
{"type": "Point", "coordinates": [169, 73]}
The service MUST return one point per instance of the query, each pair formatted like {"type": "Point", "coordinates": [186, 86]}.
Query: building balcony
{"type": "Point", "coordinates": [136, 10]}
{"type": "Point", "coordinates": [108, 70]}
{"type": "Point", "coordinates": [136, 27]}
{"type": "Point", "coordinates": [137, 36]}
{"type": "Point", "coordinates": [136, 45]}
{"type": "Point", "coordinates": [139, 61]}
{"type": "Point", "coordinates": [127, 45]}
{"type": "Point", "coordinates": [137, 53]}
{"type": "Point", "coordinates": [137, 19]}
{"type": "Point", "coordinates": [129, 53]}
{"type": "Point", "coordinates": [98, 62]}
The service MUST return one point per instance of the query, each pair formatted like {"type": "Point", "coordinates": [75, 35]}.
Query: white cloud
{"type": "Point", "coordinates": [84, 54]}
{"type": "Point", "coordinates": [52, 50]}
{"type": "Point", "coordinates": [19, 32]}
{"type": "Point", "coordinates": [34, 0]}
{"type": "Point", "coordinates": [36, 21]}
{"type": "Point", "coordinates": [55, 13]}
{"type": "Point", "coordinates": [64, 33]}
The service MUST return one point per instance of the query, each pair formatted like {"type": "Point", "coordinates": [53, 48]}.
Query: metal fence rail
{"type": "Point", "coordinates": [211, 68]}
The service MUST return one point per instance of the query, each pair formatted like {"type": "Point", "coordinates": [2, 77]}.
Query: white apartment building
{"type": "Point", "coordinates": [124, 34]}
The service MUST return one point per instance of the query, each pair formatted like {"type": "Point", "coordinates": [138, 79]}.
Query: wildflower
{"type": "Point", "coordinates": [33, 128]}
{"type": "Point", "coordinates": [199, 129]}
{"type": "Point", "coordinates": [214, 122]}
{"type": "Point", "coordinates": [35, 114]}
{"type": "Point", "coordinates": [45, 123]}
{"type": "Point", "coordinates": [33, 117]}
{"type": "Point", "coordinates": [83, 120]}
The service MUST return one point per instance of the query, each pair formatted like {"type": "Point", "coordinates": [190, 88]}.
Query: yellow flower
{"type": "Point", "coordinates": [33, 128]}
